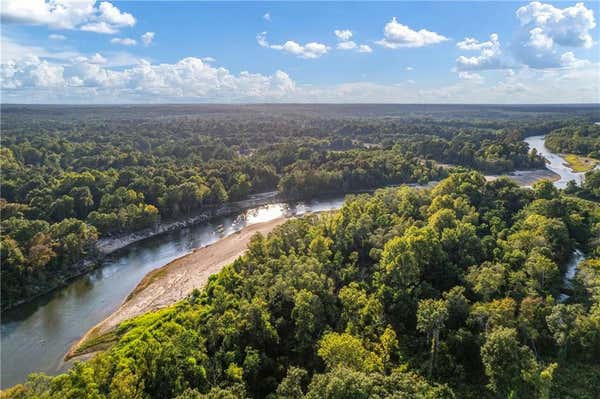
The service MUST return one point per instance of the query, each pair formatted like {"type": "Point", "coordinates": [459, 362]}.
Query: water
{"type": "Point", "coordinates": [572, 266]}
{"type": "Point", "coordinates": [36, 335]}
{"type": "Point", "coordinates": [556, 163]}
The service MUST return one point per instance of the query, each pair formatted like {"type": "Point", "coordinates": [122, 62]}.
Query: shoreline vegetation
{"type": "Point", "coordinates": [579, 163]}
{"type": "Point", "coordinates": [107, 246]}
{"type": "Point", "coordinates": [166, 279]}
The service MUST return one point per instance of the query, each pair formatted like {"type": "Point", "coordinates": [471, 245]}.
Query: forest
{"type": "Point", "coordinates": [577, 139]}
{"type": "Point", "coordinates": [450, 292]}
{"type": "Point", "coordinates": [72, 175]}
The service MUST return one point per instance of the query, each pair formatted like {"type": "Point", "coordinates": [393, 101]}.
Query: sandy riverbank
{"type": "Point", "coordinates": [174, 281]}
{"type": "Point", "coordinates": [526, 178]}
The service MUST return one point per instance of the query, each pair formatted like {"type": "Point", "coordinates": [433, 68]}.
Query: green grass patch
{"type": "Point", "coordinates": [97, 343]}
{"type": "Point", "coordinates": [580, 163]}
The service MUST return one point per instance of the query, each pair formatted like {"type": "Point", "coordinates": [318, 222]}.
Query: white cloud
{"type": "Point", "coordinates": [344, 42]}
{"type": "Point", "coordinates": [57, 37]}
{"type": "Point", "coordinates": [568, 60]}
{"type": "Point", "coordinates": [97, 59]}
{"type": "Point", "coordinates": [364, 48]}
{"type": "Point", "coordinates": [308, 50]}
{"type": "Point", "coordinates": [409, 68]}
{"type": "Point", "coordinates": [147, 38]}
{"type": "Point", "coordinates": [471, 77]}
{"type": "Point", "coordinates": [471, 44]}
{"type": "Point", "coordinates": [343, 35]}
{"type": "Point", "coordinates": [349, 45]}
{"type": "Point", "coordinates": [190, 78]}
{"type": "Point", "coordinates": [545, 28]}
{"type": "Point", "coordinates": [397, 35]}
{"type": "Point", "coordinates": [125, 41]}
{"type": "Point", "coordinates": [569, 26]}
{"type": "Point", "coordinates": [208, 59]}
{"type": "Point", "coordinates": [267, 17]}
{"type": "Point", "coordinates": [67, 14]}
{"type": "Point", "coordinates": [490, 55]}
{"type": "Point", "coordinates": [113, 16]}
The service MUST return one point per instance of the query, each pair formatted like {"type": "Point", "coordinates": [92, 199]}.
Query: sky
{"type": "Point", "coordinates": [88, 51]}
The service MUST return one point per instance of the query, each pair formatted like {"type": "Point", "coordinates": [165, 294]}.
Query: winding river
{"type": "Point", "coordinates": [556, 163]}
{"type": "Point", "coordinates": [35, 336]}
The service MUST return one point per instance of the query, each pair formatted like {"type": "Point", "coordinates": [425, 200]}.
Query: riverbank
{"type": "Point", "coordinates": [171, 283]}
{"type": "Point", "coordinates": [108, 245]}
{"type": "Point", "coordinates": [579, 163]}
{"type": "Point", "coordinates": [526, 178]}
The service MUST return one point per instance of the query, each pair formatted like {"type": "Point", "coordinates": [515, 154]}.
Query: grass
{"type": "Point", "coordinates": [97, 343]}
{"type": "Point", "coordinates": [579, 163]}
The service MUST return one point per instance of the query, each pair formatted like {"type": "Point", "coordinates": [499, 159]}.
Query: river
{"type": "Point", "coordinates": [556, 163]}
{"type": "Point", "coordinates": [35, 336]}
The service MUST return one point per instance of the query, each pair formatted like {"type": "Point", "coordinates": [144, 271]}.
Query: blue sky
{"type": "Point", "coordinates": [79, 51]}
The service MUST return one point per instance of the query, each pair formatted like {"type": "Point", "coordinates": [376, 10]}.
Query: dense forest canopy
{"type": "Point", "coordinates": [577, 139]}
{"type": "Point", "coordinates": [449, 292]}
{"type": "Point", "coordinates": [71, 175]}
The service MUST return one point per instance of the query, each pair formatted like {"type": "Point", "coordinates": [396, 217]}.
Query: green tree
{"type": "Point", "coordinates": [431, 317]}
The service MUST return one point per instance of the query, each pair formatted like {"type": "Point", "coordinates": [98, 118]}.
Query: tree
{"type": "Point", "coordinates": [487, 279]}
{"type": "Point", "coordinates": [505, 359]}
{"type": "Point", "coordinates": [291, 387]}
{"type": "Point", "coordinates": [345, 350]}
{"type": "Point", "coordinates": [431, 316]}
{"type": "Point", "coordinates": [308, 316]}
{"type": "Point", "coordinates": [543, 273]}
{"type": "Point", "coordinates": [561, 323]}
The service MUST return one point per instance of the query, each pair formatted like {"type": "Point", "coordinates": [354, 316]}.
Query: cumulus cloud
{"type": "Point", "coordinates": [490, 55]}
{"type": "Point", "coordinates": [190, 78]}
{"type": "Point", "coordinates": [537, 44]}
{"type": "Point", "coordinates": [308, 50]}
{"type": "Point", "coordinates": [470, 44]}
{"type": "Point", "coordinates": [147, 38]}
{"type": "Point", "coordinates": [267, 17]}
{"type": "Point", "coordinates": [67, 14]}
{"type": "Point", "coordinates": [344, 42]}
{"type": "Point", "coordinates": [125, 41]}
{"type": "Point", "coordinates": [546, 28]}
{"type": "Point", "coordinates": [570, 26]}
{"type": "Point", "coordinates": [32, 79]}
{"type": "Point", "coordinates": [343, 35]}
{"type": "Point", "coordinates": [397, 35]}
